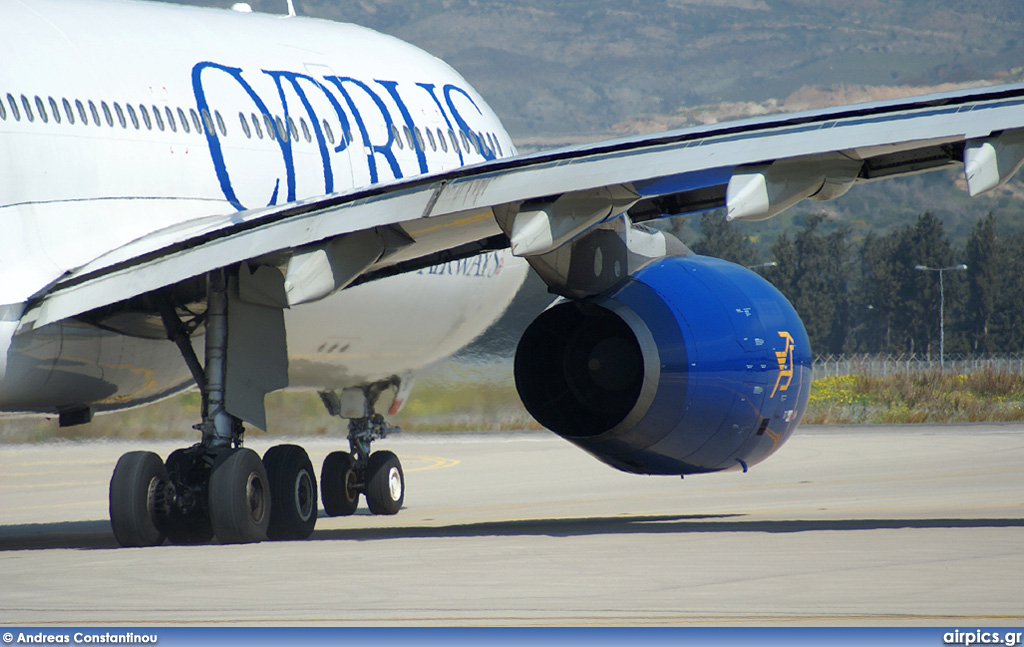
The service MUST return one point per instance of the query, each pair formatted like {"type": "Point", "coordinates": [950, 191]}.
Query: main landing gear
{"type": "Point", "coordinates": [218, 488]}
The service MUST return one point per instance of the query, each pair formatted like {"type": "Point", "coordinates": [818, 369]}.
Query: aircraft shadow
{"type": "Point", "coordinates": [93, 535]}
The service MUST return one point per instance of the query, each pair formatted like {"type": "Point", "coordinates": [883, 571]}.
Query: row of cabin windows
{"type": "Point", "coordinates": [173, 118]}
{"type": "Point", "coordinates": [414, 138]}
{"type": "Point", "coordinates": [276, 127]}
{"type": "Point", "coordinates": [81, 112]}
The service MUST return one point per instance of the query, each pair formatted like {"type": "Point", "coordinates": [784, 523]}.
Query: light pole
{"type": "Point", "coordinates": [942, 307]}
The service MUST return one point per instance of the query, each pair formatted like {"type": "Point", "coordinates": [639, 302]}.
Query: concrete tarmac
{"type": "Point", "coordinates": [915, 525]}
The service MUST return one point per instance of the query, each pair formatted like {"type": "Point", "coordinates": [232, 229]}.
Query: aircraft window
{"type": "Point", "coordinates": [120, 115]}
{"type": "Point", "coordinates": [269, 123]}
{"type": "Point", "coordinates": [14, 107]}
{"type": "Point", "coordinates": [107, 114]}
{"type": "Point", "coordinates": [419, 139]}
{"type": "Point", "coordinates": [397, 136]}
{"type": "Point", "coordinates": [68, 111]}
{"type": "Point", "coordinates": [408, 136]}
{"type": "Point", "coordinates": [305, 129]}
{"type": "Point", "coordinates": [3, 112]}
{"type": "Point", "coordinates": [157, 118]}
{"type": "Point", "coordinates": [329, 133]}
{"type": "Point", "coordinates": [292, 130]}
{"type": "Point", "coordinates": [131, 115]}
{"type": "Point", "coordinates": [41, 107]}
{"type": "Point", "coordinates": [442, 140]}
{"type": "Point", "coordinates": [183, 120]}
{"type": "Point", "coordinates": [348, 135]}
{"type": "Point", "coordinates": [245, 126]}
{"type": "Point", "coordinates": [170, 119]}
{"type": "Point", "coordinates": [454, 140]}
{"type": "Point", "coordinates": [220, 123]}
{"type": "Point", "coordinates": [207, 121]}
{"type": "Point", "coordinates": [256, 126]}
{"type": "Point", "coordinates": [282, 132]}
{"type": "Point", "coordinates": [95, 113]}
{"type": "Point", "coordinates": [28, 108]}
{"type": "Point", "coordinates": [497, 143]}
{"type": "Point", "coordinates": [465, 140]}
{"type": "Point", "coordinates": [430, 138]}
{"type": "Point", "coordinates": [81, 112]}
{"type": "Point", "coordinates": [54, 110]}
{"type": "Point", "coordinates": [145, 117]}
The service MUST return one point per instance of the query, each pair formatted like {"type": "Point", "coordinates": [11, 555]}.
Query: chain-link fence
{"type": "Point", "coordinates": [885, 365]}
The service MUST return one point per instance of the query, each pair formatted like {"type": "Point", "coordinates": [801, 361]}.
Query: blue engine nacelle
{"type": "Point", "coordinates": [692, 365]}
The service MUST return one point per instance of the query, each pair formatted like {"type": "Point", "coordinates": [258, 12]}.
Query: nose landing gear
{"type": "Point", "coordinates": [377, 475]}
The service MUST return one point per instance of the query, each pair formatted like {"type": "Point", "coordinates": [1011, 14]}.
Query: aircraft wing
{"type": "Point", "coordinates": [755, 168]}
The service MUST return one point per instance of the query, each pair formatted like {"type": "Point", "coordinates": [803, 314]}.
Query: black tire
{"type": "Point", "coordinates": [193, 527]}
{"type": "Point", "coordinates": [385, 483]}
{"type": "Point", "coordinates": [239, 498]}
{"type": "Point", "coordinates": [339, 484]}
{"type": "Point", "coordinates": [293, 498]}
{"type": "Point", "coordinates": [136, 499]}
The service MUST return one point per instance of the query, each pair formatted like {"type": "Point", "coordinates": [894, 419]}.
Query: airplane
{"type": "Point", "coordinates": [241, 202]}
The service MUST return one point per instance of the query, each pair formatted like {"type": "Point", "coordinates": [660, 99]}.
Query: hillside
{"type": "Point", "coordinates": [570, 71]}
{"type": "Point", "coordinates": [594, 66]}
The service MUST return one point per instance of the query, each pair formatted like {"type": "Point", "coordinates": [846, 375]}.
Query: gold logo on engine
{"type": "Point", "coordinates": [785, 359]}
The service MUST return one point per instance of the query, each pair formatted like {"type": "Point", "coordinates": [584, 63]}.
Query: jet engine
{"type": "Point", "coordinates": [693, 364]}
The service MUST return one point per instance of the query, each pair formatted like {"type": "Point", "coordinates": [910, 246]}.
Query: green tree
{"type": "Point", "coordinates": [813, 272]}
{"type": "Point", "coordinates": [722, 239]}
{"type": "Point", "coordinates": [984, 279]}
{"type": "Point", "coordinates": [1007, 324]}
{"type": "Point", "coordinates": [874, 298]}
{"type": "Point", "coordinates": [915, 326]}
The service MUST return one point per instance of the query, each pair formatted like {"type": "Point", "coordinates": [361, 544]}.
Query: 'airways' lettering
{"type": "Point", "coordinates": [482, 266]}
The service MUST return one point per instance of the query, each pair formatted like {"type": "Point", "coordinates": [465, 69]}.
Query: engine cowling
{"type": "Point", "coordinates": [692, 365]}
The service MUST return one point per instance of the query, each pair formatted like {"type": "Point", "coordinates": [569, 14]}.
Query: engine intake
{"type": "Point", "coordinates": [692, 365]}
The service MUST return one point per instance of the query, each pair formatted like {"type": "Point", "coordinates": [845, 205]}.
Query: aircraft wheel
{"type": "Point", "coordinates": [293, 497]}
{"type": "Point", "coordinates": [385, 483]}
{"type": "Point", "coordinates": [192, 527]}
{"type": "Point", "coordinates": [339, 484]}
{"type": "Point", "coordinates": [137, 499]}
{"type": "Point", "coordinates": [239, 498]}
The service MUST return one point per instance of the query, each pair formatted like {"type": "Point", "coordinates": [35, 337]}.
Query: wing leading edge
{"type": "Point", "coordinates": [754, 168]}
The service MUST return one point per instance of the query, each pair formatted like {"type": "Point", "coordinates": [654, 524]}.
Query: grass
{"type": "Point", "coordinates": [482, 397]}
{"type": "Point", "coordinates": [450, 397]}
{"type": "Point", "coordinates": [917, 397]}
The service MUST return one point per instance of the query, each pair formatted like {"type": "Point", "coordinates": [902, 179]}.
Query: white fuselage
{"type": "Point", "coordinates": [112, 129]}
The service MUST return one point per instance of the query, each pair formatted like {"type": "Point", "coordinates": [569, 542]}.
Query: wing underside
{"type": "Point", "coordinates": [755, 169]}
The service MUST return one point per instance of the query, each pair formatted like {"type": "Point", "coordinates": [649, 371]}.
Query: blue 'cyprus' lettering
{"type": "Point", "coordinates": [360, 111]}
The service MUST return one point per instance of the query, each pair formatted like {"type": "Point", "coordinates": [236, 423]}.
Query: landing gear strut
{"type": "Point", "coordinates": [219, 488]}
{"type": "Point", "coordinates": [215, 487]}
{"type": "Point", "coordinates": [346, 475]}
